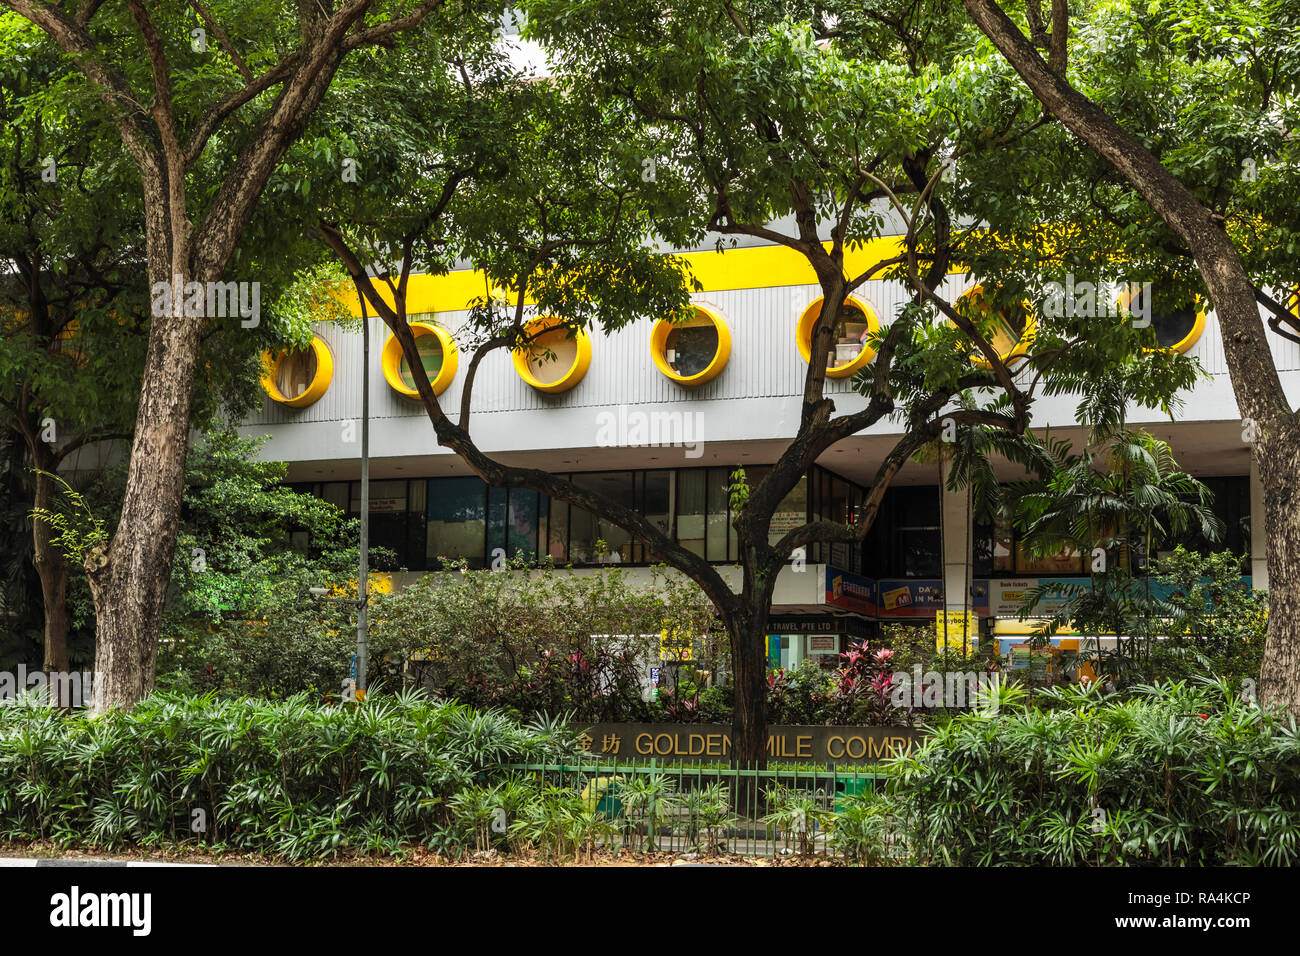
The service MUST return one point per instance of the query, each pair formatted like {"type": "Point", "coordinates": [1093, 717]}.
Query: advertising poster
{"type": "Point", "coordinates": [850, 591]}
{"type": "Point", "coordinates": [913, 600]}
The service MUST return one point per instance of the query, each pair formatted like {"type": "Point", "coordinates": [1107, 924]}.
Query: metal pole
{"type": "Point", "coordinates": [363, 572]}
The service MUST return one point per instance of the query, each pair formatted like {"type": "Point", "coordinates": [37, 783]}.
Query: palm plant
{"type": "Point", "coordinates": [648, 803]}
{"type": "Point", "coordinates": [708, 815]}
{"type": "Point", "coordinates": [1113, 503]}
{"type": "Point", "coordinates": [796, 814]}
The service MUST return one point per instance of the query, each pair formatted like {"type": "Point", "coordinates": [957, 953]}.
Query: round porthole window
{"type": "Point", "coordinates": [691, 352]}
{"type": "Point", "coordinates": [1012, 327]}
{"type": "Point", "coordinates": [850, 349]}
{"type": "Point", "coordinates": [298, 378]}
{"type": "Point", "coordinates": [556, 356]}
{"type": "Point", "coordinates": [438, 355]}
{"type": "Point", "coordinates": [1178, 321]}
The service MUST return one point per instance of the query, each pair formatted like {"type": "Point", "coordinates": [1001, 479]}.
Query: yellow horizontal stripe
{"type": "Point", "coordinates": [754, 267]}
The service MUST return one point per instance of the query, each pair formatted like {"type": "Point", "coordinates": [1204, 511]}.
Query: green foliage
{"type": "Point", "coordinates": [75, 528]}
{"type": "Point", "coordinates": [559, 823]}
{"type": "Point", "coordinates": [861, 830]}
{"type": "Point", "coordinates": [1173, 774]}
{"type": "Point", "coordinates": [540, 641]}
{"type": "Point", "coordinates": [1215, 625]}
{"type": "Point", "coordinates": [799, 695]}
{"type": "Point", "coordinates": [239, 619]}
{"type": "Point", "coordinates": [708, 816]}
{"type": "Point", "coordinates": [290, 779]}
{"type": "Point", "coordinates": [797, 815]}
{"type": "Point", "coordinates": [648, 804]}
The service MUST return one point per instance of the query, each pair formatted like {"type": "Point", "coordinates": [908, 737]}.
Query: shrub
{"type": "Point", "coordinates": [1169, 774]}
{"type": "Point", "coordinates": [861, 829]}
{"type": "Point", "coordinates": [290, 778]}
{"type": "Point", "coordinates": [797, 815]}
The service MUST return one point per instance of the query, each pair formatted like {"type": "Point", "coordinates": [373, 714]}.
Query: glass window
{"type": "Point", "coordinates": [588, 529]}
{"type": "Point", "coordinates": [691, 498]}
{"type": "Point", "coordinates": [659, 497]}
{"type": "Point", "coordinates": [718, 515]}
{"type": "Point", "coordinates": [1004, 544]}
{"type": "Point", "coordinates": [496, 524]}
{"type": "Point", "coordinates": [457, 521]}
{"type": "Point", "coordinates": [791, 513]}
{"type": "Point", "coordinates": [522, 524]}
{"type": "Point", "coordinates": [691, 346]}
{"type": "Point", "coordinates": [385, 496]}
{"type": "Point", "coordinates": [416, 526]}
{"type": "Point", "coordinates": [917, 539]}
{"type": "Point", "coordinates": [337, 494]}
{"type": "Point", "coordinates": [558, 532]}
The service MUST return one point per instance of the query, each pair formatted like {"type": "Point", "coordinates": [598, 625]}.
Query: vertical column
{"type": "Point", "coordinates": [1258, 537]}
{"type": "Point", "coordinates": [958, 535]}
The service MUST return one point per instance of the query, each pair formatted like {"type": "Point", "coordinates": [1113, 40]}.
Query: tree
{"type": "Point", "coordinates": [71, 345]}
{"type": "Point", "coordinates": [746, 121]}
{"type": "Point", "coordinates": [1237, 67]}
{"type": "Point", "coordinates": [205, 111]}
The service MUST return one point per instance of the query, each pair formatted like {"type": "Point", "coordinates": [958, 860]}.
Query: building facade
{"type": "Point", "coordinates": [657, 417]}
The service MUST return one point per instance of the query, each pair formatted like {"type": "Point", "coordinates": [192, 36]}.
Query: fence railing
{"type": "Point", "coordinates": [699, 808]}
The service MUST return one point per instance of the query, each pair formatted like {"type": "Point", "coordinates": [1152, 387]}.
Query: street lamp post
{"type": "Point", "coordinates": [363, 571]}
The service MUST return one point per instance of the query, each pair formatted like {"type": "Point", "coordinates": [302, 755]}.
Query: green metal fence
{"type": "Point", "coordinates": [715, 808]}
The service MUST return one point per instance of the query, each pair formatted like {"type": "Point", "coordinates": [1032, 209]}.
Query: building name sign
{"type": "Point", "coordinates": [707, 742]}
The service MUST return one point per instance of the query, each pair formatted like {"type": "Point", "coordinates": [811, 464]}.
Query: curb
{"type": "Point", "coordinates": [22, 861]}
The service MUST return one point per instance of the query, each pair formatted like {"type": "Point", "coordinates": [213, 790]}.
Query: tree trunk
{"type": "Point", "coordinates": [52, 568]}
{"type": "Point", "coordinates": [748, 634]}
{"type": "Point", "coordinates": [129, 579]}
{"type": "Point", "coordinates": [1278, 458]}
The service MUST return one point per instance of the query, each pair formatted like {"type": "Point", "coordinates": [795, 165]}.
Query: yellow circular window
{"type": "Point", "coordinates": [556, 356]}
{"type": "Point", "coordinates": [691, 352]}
{"type": "Point", "coordinates": [298, 378]}
{"type": "Point", "coordinates": [1178, 321]}
{"type": "Point", "coordinates": [854, 328]}
{"type": "Point", "coordinates": [438, 355]}
{"type": "Point", "coordinates": [1012, 327]}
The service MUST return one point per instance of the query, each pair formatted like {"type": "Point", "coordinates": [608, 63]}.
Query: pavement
{"type": "Point", "coordinates": [79, 861]}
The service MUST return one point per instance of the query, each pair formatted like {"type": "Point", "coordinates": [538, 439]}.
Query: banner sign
{"type": "Point", "coordinates": [956, 631]}
{"type": "Point", "coordinates": [850, 591]}
{"type": "Point", "coordinates": [1008, 594]}
{"type": "Point", "coordinates": [915, 599]}
{"type": "Point", "coordinates": [712, 742]}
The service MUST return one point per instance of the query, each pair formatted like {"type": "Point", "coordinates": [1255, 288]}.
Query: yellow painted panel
{"type": "Point", "coordinates": [755, 267]}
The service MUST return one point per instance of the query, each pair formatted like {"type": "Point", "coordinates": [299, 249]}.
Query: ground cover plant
{"type": "Point", "coordinates": [1178, 774]}
{"type": "Point", "coordinates": [288, 778]}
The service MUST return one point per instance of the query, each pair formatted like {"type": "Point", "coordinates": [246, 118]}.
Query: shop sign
{"type": "Point", "coordinates": [924, 598]}
{"type": "Point", "coordinates": [853, 626]}
{"type": "Point", "coordinates": [850, 591]}
{"type": "Point", "coordinates": [818, 644]}
{"type": "Point", "coordinates": [712, 742]}
{"type": "Point", "coordinates": [1008, 594]}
